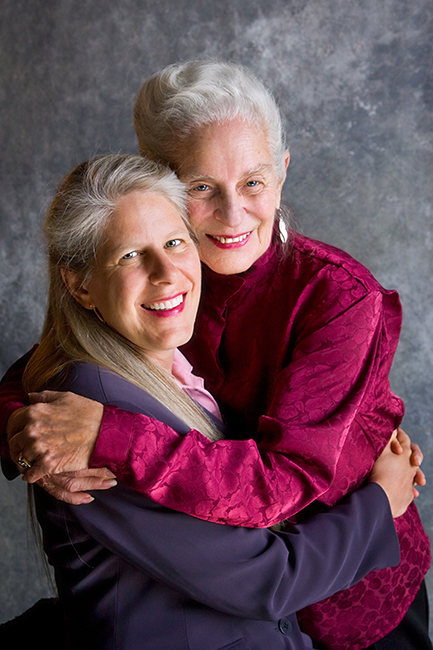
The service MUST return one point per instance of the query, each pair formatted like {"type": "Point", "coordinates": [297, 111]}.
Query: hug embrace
{"type": "Point", "coordinates": [276, 409]}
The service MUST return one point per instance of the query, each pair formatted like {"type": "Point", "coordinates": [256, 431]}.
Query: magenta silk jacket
{"type": "Point", "coordinates": [297, 351]}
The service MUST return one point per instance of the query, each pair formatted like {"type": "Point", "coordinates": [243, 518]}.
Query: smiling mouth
{"type": "Point", "coordinates": [165, 305]}
{"type": "Point", "coordinates": [231, 240]}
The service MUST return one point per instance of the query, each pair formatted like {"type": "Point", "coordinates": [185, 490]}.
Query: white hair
{"type": "Point", "coordinates": [184, 97]}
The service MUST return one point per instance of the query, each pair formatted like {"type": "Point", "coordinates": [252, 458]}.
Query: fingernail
{"type": "Point", "coordinates": [88, 499]}
{"type": "Point", "coordinates": [110, 483]}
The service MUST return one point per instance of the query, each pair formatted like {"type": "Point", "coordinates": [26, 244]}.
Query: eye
{"type": "Point", "coordinates": [252, 183]}
{"type": "Point", "coordinates": [200, 188]}
{"type": "Point", "coordinates": [130, 256]}
{"type": "Point", "coordinates": [172, 243]}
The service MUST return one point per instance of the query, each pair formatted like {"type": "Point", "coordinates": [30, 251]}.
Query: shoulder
{"type": "Point", "coordinates": [336, 264]}
{"type": "Point", "coordinates": [97, 383]}
{"type": "Point", "coordinates": [320, 282]}
{"type": "Point", "coordinates": [104, 386]}
{"type": "Point", "coordinates": [82, 378]}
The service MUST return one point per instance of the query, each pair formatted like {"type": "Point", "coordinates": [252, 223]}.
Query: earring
{"type": "Point", "coordinates": [282, 226]}
{"type": "Point", "coordinates": [97, 314]}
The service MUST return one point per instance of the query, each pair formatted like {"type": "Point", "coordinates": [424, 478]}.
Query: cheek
{"type": "Point", "coordinates": [266, 209]}
{"type": "Point", "coordinates": [267, 224]}
{"type": "Point", "coordinates": [97, 294]}
{"type": "Point", "coordinates": [118, 292]}
{"type": "Point", "coordinates": [198, 214]}
{"type": "Point", "coordinates": [193, 272]}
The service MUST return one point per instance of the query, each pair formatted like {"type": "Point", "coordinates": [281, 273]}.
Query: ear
{"type": "Point", "coordinates": [75, 286]}
{"type": "Point", "coordinates": [283, 177]}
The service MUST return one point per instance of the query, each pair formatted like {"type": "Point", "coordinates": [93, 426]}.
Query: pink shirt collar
{"type": "Point", "coordinates": [193, 385]}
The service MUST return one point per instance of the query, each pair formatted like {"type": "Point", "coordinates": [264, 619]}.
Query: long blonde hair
{"type": "Point", "coordinates": [74, 230]}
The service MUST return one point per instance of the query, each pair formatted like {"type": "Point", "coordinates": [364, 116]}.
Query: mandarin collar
{"type": "Point", "coordinates": [222, 287]}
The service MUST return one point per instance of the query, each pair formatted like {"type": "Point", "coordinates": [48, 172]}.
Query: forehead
{"type": "Point", "coordinates": [234, 148]}
{"type": "Point", "coordinates": [140, 217]}
{"type": "Point", "coordinates": [143, 208]}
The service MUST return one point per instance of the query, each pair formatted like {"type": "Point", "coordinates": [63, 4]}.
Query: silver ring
{"type": "Point", "coordinates": [23, 462]}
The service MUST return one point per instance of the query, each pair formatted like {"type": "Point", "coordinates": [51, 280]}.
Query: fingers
{"type": "Point", "coordinates": [72, 487]}
{"type": "Point", "coordinates": [399, 441]}
{"type": "Point", "coordinates": [396, 475]}
{"type": "Point", "coordinates": [420, 478]}
{"type": "Point", "coordinates": [97, 472]}
{"type": "Point", "coordinates": [403, 438]}
{"type": "Point", "coordinates": [40, 468]}
{"type": "Point", "coordinates": [56, 433]}
{"type": "Point", "coordinates": [400, 438]}
{"type": "Point", "coordinates": [80, 484]}
{"type": "Point", "coordinates": [58, 492]}
{"type": "Point", "coordinates": [45, 396]}
{"type": "Point", "coordinates": [395, 445]}
{"type": "Point", "coordinates": [33, 453]}
{"type": "Point", "coordinates": [417, 456]}
{"type": "Point", "coordinates": [93, 478]}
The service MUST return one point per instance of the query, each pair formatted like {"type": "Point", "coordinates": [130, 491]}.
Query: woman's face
{"type": "Point", "coordinates": [146, 284]}
{"type": "Point", "coordinates": [234, 192]}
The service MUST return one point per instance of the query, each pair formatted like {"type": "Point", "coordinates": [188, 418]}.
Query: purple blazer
{"type": "Point", "coordinates": [135, 575]}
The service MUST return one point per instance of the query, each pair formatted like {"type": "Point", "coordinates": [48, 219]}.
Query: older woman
{"type": "Point", "coordinates": [124, 291]}
{"type": "Point", "coordinates": [295, 341]}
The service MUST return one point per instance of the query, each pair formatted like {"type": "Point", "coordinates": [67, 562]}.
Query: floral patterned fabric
{"type": "Point", "coordinates": [297, 351]}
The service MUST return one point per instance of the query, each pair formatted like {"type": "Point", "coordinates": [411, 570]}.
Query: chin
{"type": "Point", "coordinates": [179, 340]}
{"type": "Point", "coordinates": [231, 261]}
{"type": "Point", "coordinates": [229, 266]}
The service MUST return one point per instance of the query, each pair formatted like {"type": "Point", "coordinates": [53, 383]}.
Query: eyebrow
{"type": "Point", "coordinates": [131, 246]}
{"type": "Point", "coordinates": [190, 178]}
{"type": "Point", "coordinates": [261, 168]}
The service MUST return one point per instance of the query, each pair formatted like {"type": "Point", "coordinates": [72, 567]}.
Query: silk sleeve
{"type": "Point", "coordinates": [334, 370]}
{"type": "Point", "coordinates": [317, 401]}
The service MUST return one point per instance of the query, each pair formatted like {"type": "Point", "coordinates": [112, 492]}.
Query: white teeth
{"type": "Point", "coordinates": [167, 304]}
{"type": "Point", "coordinates": [231, 240]}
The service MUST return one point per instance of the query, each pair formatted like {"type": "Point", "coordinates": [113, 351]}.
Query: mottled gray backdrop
{"type": "Point", "coordinates": [354, 80]}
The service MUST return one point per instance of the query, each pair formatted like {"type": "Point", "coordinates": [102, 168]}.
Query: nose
{"type": "Point", "coordinates": [162, 270]}
{"type": "Point", "coordinates": [230, 210]}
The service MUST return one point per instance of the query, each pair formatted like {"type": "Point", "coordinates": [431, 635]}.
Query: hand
{"type": "Point", "coordinates": [70, 486]}
{"type": "Point", "coordinates": [416, 457]}
{"type": "Point", "coordinates": [57, 433]}
{"type": "Point", "coordinates": [396, 475]}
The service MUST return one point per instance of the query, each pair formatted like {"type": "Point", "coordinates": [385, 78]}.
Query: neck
{"type": "Point", "coordinates": [161, 358]}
